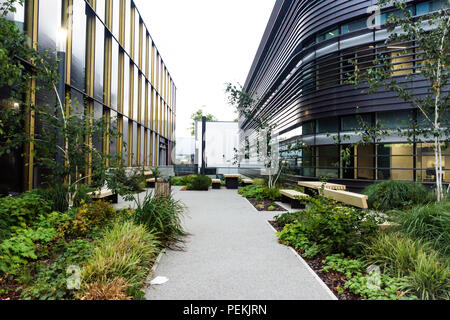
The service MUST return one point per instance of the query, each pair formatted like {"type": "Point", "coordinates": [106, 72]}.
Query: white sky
{"type": "Point", "coordinates": [205, 44]}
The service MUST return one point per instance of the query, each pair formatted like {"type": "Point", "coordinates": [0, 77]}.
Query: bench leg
{"type": "Point", "coordinates": [232, 183]}
{"type": "Point", "coordinates": [285, 199]}
{"type": "Point", "coordinates": [216, 186]}
{"type": "Point", "coordinates": [310, 192]}
{"type": "Point", "coordinates": [296, 204]}
{"type": "Point", "coordinates": [114, 199]}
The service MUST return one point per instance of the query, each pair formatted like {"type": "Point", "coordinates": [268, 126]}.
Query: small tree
{"type": "Point", "coordinates": [266, 144]}
{"type": "Point", "coordinates": [431, 35]}
{"type": "Point", "coordinates": [198, 116]}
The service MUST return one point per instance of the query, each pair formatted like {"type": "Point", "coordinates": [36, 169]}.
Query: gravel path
{"type": "Point", "coordinates": [232, 254]}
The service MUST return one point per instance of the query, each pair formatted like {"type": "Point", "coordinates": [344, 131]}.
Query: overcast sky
{"type": "Point", "coordinates": [205, 44]}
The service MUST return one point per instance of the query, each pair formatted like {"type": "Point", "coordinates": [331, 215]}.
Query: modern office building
{"type": "Point", "coordinates": [299, 80]}
{"type": "Point", "coordinates": [112, 68]}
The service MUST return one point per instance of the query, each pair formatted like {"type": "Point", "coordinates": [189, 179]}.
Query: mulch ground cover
{"type": "Point", "coordinates": [9, 289]}
{"type": "Point", "coordinates": [258, 204]}
{"type": "Point", "coordinates": [333, 280]}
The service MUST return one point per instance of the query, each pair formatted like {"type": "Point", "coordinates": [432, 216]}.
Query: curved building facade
{"type": "Point", "coordinates": [299, 79]}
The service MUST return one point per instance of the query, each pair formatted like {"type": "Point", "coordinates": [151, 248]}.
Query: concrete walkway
{"type": "Point", "coordinates": [232, 254]}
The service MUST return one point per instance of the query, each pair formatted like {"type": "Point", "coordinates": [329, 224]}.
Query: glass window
{"type": "Point", "coordinates": [354, 123]}
{"type": "Point", "coordinates": [144, 53]}
{"type": "Point", "coordinates": [395, 119]}
{"type": "Point", "coordinates": [116, 18]}
{"type": "Point", "coordinates": [348, 164]}
{"type": "Point", "coordinates": [100, 9]}
{"type": "Point", "coordinates": [114, 74]}
{"type": "Point", "coordinates": [78, 69]}
{"type": "Point", "coordinates": [144, 93]}
{"type": "Point", "coordinates": [366, 162]}
{"type": "Point", "coordinates": [126, 85]}
{"type": "Point", "coordinates": [426, 163]}
{"type": "Point", "coordinates": [135, 144]}
{"type": "Point", "coordinates": [125, 145]}
{"type": "Point", "coordinates": [142, 146]}
{"type": "Point", "coordinates": [423, 8]}
{"type": "Point", "coordinates": [309, 128]}
{"type": "Point", "coordinates": [149, 148]}
{"type": "Point", "coordinates": [439, 4]}
{"type": "Point", "coordinates": [136, 37]}
{"type": "Point", "coordinates": [49, 26]}
{"type": "Point", "coordinates": [328, 159]}
{"type": "Point", "coordinates": [328, 125]}
{"type": "Point", "coordinates": [98, 115]}
{"type": "Point", "coordinates": [354, 26]}
{"type": "Point", "coordinates": [327, 35]}
{"type": "Point", "coordinates": [99, 60]}
{"type": "Point", "coordinates": [77, 102]}
{"type": "Point", "coordinates": [135, 93]}
{"type": "Point", "coordinates": [127, 15]}
{"type": "Point", "coordinates": [113, 141]}
{"type": "Point", "coordinates": [395, 162]}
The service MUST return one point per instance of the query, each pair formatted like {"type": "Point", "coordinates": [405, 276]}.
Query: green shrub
{"type": "Point", "coordinates": [21, 211]}
{"type": "Point", "coordinates": [163, 216]}
{"type": "Point", "coordinates": [177, 181]}
{"type": "Point", "coordinates": [89, 218]}
{"type": "Point", "coordinates": [288, 218]}
{"type": "Point", "coordinates": [260, 193]}
{"type": "Point", "coordinates": [428, 275]}
{"type": "Point", "coordinates": [384, 288]}
{"type": "Point", "coordinates": [390, 195]}
{"type": "Point", "coordinates": [199, 183]}
{"type": "Point", "coordinates": [259, 182]}
{"type": "Point", "coordinates": [123, 183]}
{"type": "Point", "coordinates": [332, 228]}
{"type": "Point", "coordinates": [349, 267]}
{"type": "Point", "coordinates": [126, 251]}
{"type": "Point", "coordinates": [430, 223]}
{"type": "Point", "coordinates": [82, 195]}
{"type": "Point", "coordinates": [50, 281]}
{"type": "Point", "coordinates": [23, 246]}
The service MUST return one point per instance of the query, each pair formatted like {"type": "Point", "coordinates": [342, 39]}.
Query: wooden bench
{"type": "Point", "coordinates": [216, 184]}
{"type": "Point", "coordinates": [247, 182]}
{"type": "Point", "coordinates": [104, 194]}
{"type": "Point", "coordinates": [232, 181]}
{"type": "Point", "coordinates": [293, 197]}
{"type": "Point", "coordinates": [310, 186]}
{"type": "Point", "coordinates": [148, 173]}
{"type": "Point", "coordinates": [151, 182]}
{"type": "Point", "coordinates": [350, 198]}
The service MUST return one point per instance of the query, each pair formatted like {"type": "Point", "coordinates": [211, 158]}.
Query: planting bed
{"type": "Point", "coordinates": [333, 280]}
{"type": "Point", "coordinates": [267, 204]}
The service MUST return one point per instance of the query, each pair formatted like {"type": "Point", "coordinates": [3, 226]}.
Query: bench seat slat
{"type": "Point", "coordinates": [293, 194]}
{"type": "Point", "coordinates": [354, 199]}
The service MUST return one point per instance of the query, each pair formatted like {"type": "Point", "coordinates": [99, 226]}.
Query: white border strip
{"type": "Point", "coordinates": [330, 293]}
{"type": "Point", "coordinates": [158, 260]}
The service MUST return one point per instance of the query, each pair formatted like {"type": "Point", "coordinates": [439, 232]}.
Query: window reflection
{"type": "Point", "coordinates": [78, 68]}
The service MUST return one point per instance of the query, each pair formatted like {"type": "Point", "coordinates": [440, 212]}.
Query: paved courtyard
{"type": "Point", "coordinates": [232, 254]}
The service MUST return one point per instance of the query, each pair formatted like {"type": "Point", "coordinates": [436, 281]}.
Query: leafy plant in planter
{"type": "Point", "coordinates": [199, 183]}
{"type": "Point", "coordinates": [396, 195]}
{"type": "Point", "coordinates": [332, 228]}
